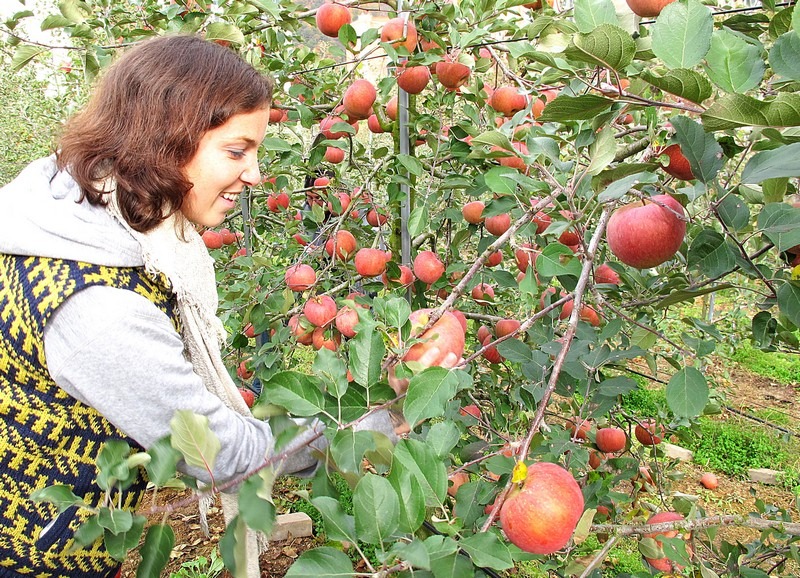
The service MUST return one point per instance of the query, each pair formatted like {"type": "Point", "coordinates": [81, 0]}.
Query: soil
{"type": "Point", "coordinates": [744, 392]}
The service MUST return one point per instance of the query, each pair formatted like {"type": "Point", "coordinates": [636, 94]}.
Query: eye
{"type": "Point", "coordinates": [236, 154]}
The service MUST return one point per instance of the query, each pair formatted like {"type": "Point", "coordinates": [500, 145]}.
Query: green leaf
{"type": "Point", "coordinates": [233, 547]}
{"type": "Point", "coordinates": [115, 521]}
{"type": "Point", "coordinates": [764, 327]}
{"type": "Point", "coordinates": [734, 212]}
{"type": "Point", "coordinates": [412, 500]}
{"type": "Point", "coordinates": [55, 21]}
{"type": "Point", "coordinates": [710, 254]}
{"type": "Point", "coordinates": [348, 447]}
{"type": "Point", "coordinates": [276, 145]}
{"type": "Point", "coordinates": [601, 151]}
{"type": "Point", "coordinates": [682, 33]}
{"type": "Point", "coordinates": [493, 138]}
{"type": "Point", "coordinates": [549, 262]}
{"type": "Point", "coordinates": [685, 83]}
{"type": "Point", "coordinates": [699, 147]}
{"type": "Point", "coordinates": [681, 296]}
{"type": "Point", "coordinates": [781, 224]}
{"type": "Point", "coordinates": [414, 553]}
{"type": "Point", "coordinates": [121, 543]}
{"type": "Point", "coordinates": [376, 508]}
{"type": "Point", "coordinates": [796, 21]}
{"type": "Point", "coordinates": [331, 369]}
{"type": "Point", "coordinates": [366, 353]}
{"type": "Point", "coordinates": [421, 462]}
{"type": "Point", "coordinates": [774, 190]}
{"type": "Point", "coordinates": [411, 164]}
{"type": "Point", "coordinates": [255, 501]}
{"type": "Point", "coordinates": [74, 10]}
{"type": "Point", "coordinates": [163, 462]}
{"type": "Point", "coordinates": [428, 393]}
{"type": "Point", "coordinates": [155, 552]}
{"type": "Point", "coordinates": [620, 188]}
{"type": "Point", "coordinates": [59, 495]}
{"type": "Point", "coordinates": [607, 45]}
{"type": "Point", "coordinates": [565, 108]}
{"type": "Point", "coordinates": [192, 436]}
{"type": "Point", "coordinates": [487, 551]}
{"type": "Point", "coordinates": [780, 162]}
{"type": "Point", "coordinates": [443, 437]}
{"type": "Point", "coordinates": [325, 562]}
{"type": "Point", "coordinates": [89, 532]}
{"type": "Point", "coordinates": [789, 302]}
{"type": "Point", "coordinates": [499, 180]}
{"type": "Point", "coordinates": [296, 392]}
{"type": "Point", "coordinates": [687, 392]}
{"type": "Point", "coordinates": [338, 524]}
{"type": "Point", "coordinates": [418, 220]}
{"type": "Point", "coordinates": [732, 63]}
{"type": "Point", "coordinates": [23, 54]}
{"type": "Point", "coordinates": [735, 110]}
{"type": "Point", "coordinates": [225, 32]}
{"type": "Point", "coordinates": [784, 56]}
{"type": "Point", "coordinates": [589, 14]}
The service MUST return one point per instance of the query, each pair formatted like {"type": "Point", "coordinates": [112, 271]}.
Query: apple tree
{"type": "Point", "coordinates": [537, 190]}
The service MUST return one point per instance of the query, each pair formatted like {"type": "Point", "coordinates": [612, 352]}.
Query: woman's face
{"type": "Point", "coordinates": [226, 161]}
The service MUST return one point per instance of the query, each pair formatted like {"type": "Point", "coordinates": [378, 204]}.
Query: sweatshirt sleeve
{"type": "Point", "coordinates": [114, 350]}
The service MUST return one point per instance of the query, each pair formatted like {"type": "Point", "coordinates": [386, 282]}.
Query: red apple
{"type": "Point", "coordinates": [678, 165]}
{"type": "Point", "coordinates": [300, 277]}
{"type": "Point", "coordinates": [647, 8]}
{"type": "Point", "coordinates": [301, 329]}
{"type": "Point", "coordinates": [334, 155]}
{"type": "Point", "coordinates": [709, 481]}
{"type": "Point", "coordinates": [483, 294]}
{"type": "Point", "coordinates": [508, 100]}
{"type": "Point", "coordinates": [648, 433]}
{"type": "Point", "coordinates": [375, 218]}
{"type": "Point", "coordinates": [663, 564]}
{"type": "Point", "coordinates": [610, 439]}
{"type": "Point", "coordinates": [346, 321]}
{"type": "Point", "coordinates": [320, 340]}
{"type": "Point", "coordinates": [413, 79]}
{"type": "Point", "coordinates": [395, 29]}
{"type": "Point", "coordinates": [248, 396]}
{"type": "Point", "coordinates": [327, 123]}
{"type": "Point", "coordinates": [243, 371]}
{"type": "Point", "coordinates": [451, 73]}
{"type": "Point", "coordinates": [406, 277]}
{"type": "Point", "coordinates": [644, 234]}
{"type": "Point", "coordinates": [212, 239]}
{"type": "Point", "coordinates": [498, 224]}
{"type": "Point", "coordinates": [359, 98]}
{"type": "Point", "coordinates": [541, 516]}
{"type": "Point", "coordinates": [490, 353]}
{"type": "Point", "coordinates": [605, 274]}
{"type": "Point", "coordinates": [462, 319]}
{"type": "Point", "coordinates": [344, 244]}
{"type": "Point", "coordinates": [579, 427]}
{"type": "Point", "coordinates": [471, 410]}
{"type": "Point", "coordinates": [344, 202]}
{"type": "Point", "coordinates": [457, 480]}
{"type": "Point", "coordinates": [370, 262]}
{"type": "Point", "coordinates": [538, 105]}
{"type": "Point", "coordinates": [331, 17]}
{"type": "Point", "coordinates": [494, 259]}
{"type": "Point", "coordinates": [277, 201]}
{"type": "Point", "coordinates": [428, 268]}
{"type": "Point", "coordinates": [320, 310]}
{"type": "Point", "coordinates": [473, 212]}
{"type": "Point", "coordinates": [482, 333]}
{"type": "Point", "coordinates": [505, 327]}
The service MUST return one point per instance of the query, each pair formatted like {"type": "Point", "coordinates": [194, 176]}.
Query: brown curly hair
{"type": "Point", "coordinates": [146, 117]}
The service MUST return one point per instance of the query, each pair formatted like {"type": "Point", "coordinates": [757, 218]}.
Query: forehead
{"type": "Point", "coordinates": [248, 127]}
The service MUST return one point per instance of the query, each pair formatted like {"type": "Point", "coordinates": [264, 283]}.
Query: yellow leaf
{"type": "Point", "coordinates": [520, 472]}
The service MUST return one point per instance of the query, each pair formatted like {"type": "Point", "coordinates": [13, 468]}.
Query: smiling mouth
{"type": "Point", "coordinates": [230, 197]}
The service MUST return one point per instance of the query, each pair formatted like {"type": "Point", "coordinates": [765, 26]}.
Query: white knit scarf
{"type": "Point", "coordinates": [175, 249]}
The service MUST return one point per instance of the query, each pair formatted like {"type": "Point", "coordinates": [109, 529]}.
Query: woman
{"type": "Point", "coordinates": [107, 295]}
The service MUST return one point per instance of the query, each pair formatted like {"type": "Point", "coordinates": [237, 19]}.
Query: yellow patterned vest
{"type": "Point", "coordinates": [46, 436]}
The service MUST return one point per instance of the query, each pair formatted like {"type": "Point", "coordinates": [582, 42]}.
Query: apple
{"type": "Point", "coordinates": [587, 314]}
{"type": "Point", "coordinates": [370, 262]}
{"type": "Point", "coordinates": [344, 244]}
{"type": "Point", "coordinates": [395, 29]}
{"type": "Point", "coordinates": [346, 321]}
{"type": "Point", "coordinates": [538, 105]}
{"type": "Point", "coordinates": [301, 329]}
{"type": "Point", "coordinates": [541, 516]}
{"type": "Point", "coordinates": [249, 331]}
{"type": "Point", "coordinates": [605, 274]}
{"type": "Point", "coordinates": [243, 371]}
{"type": "Point", "coordinates": [375, 218]}
{"type": "Point", "coordinates": [451, 73]}
{"type": "Point", "coordinates": [473, 212]}
{"type": "Point", "coordinates": [579, 427]}
{"type": "Point", "coordinates": [483, 294]}
{"type": "Point", "coordinates": [391, 108]}
{"type": "Point", "coordinates": [482, 333]}
{"type": "Point", "coordinates": [709, 481]}
{"type": "Point", "coordinates": [413, 79]}
{"type": "Point", "coordinates": [320, 310]}
{"type": "Point", "coordinates": [359, 98]}
{"type": "Point", "coordinates": [406, 277]}
{"type": "Point", "coordinates": [490, 353]}
{"type": "Point", "coordinates": [374, 125]}
{"type": "Point", "coordinates": [447, 335]}
{"type": "Point", "coordinates": [649, 433]}
{"type": "Point", "coordinates": [300, 277]}
{"type": "Point", "coordinates": [678, 165]}
{"type": "Point", "coordinates": [319, 340]}
{"type": "Point", "coordinates": [513, 161]}
{"type": "Point", "coordinates": [506, 327]}
{"type": "Point", "coordinates": [610, 439]}
{"type": "Point", "coordinates": [494, 259]}
{"type": "Point", "coordinates": [331, 17]}
{"type": "Point", "coordinates": [508, 100]}
{"type": "Point", "coordinates": [498, 224]}
{"type": "Point", "coordinates": [228, 238]}
{"type": "Point", "coordinates": [462, 319]}
{"type": "Point", "coordinates": [212, 239]}
{"type": "Point", "coordinates": [457, 480]}
{"type": "Point", "coordinates": [327, 123]}
{"type": "Point", "coordinates": [647, 8]}
{"type": "Point", "coordinates": [645, 234]}
{"type": "Point", "coordinates": [596, 459]}
{"type": "Point", "coordinates": [428, 267]}
{"type": "Point", "coordinates": [663, 564]}
{"type": "Point", "coordinates": [524, 255]}
{"type": "Point", "coordinates": [277, 202]}
{"type": "Point", "coordinates": [471, 410]}
{"type": "Point", "coordinates": [344, 202]}
{"type": "Point", "coordinates": [542, 221]}
{"type": "Point", "coordinates": [248, 396]}
{"type": "Point", "coordinates": [334, 155]}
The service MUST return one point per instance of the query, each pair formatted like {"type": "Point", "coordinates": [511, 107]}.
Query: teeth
{"type": "Point", "coordinates": [230, 196]}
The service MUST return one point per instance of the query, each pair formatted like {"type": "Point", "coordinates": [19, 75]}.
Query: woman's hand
{"type": "Point", "coordinates": [400, 386]}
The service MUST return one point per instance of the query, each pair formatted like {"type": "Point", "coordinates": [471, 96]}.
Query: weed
{"type": "Point", "coordinates": [644, 402]}
{"type": "Point", "coordinates": [780, 367]}
{"type": "Point", "coordinates": [200, 567]}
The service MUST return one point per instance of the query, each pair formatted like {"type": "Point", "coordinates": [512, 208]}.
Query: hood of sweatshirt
{"type": "Point", "coordinates": [40, 216]}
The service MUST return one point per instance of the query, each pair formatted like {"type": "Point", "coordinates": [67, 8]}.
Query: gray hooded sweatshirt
{"type": "Point", "coordinates": [111, 348]}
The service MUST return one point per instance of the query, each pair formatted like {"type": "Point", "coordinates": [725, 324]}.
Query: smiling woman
{"type": "Point", "coordinates": [108, 301]}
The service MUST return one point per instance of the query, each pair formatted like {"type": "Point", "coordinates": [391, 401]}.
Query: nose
{"type": "Point", "coordinates": [251, 176]}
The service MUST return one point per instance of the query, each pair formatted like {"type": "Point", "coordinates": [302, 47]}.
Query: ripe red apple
{"type": "Point", "coordinates": [462, 319]}
{"type": "Point", "coordinates": [472, 410]}
{"type": "Point", "coordinates": [709, 481]}
{"type": "Point", "coordinates": [428, 267]}
{"type": "Point", "coordinates": [538, 105]}
{"type": "Point", "coordinates": [507, 100]}
{"type": "Point", "coordinates": [587, 314]}
{"type": "Point", "coordinates": [277, 201]}
{"type": "Point", "coordinates": [678, 165]}
{"type": "Point", "coordinates": [610, 439]}
{"type": "Point", "coordinates": [320, 310]}
{"type": "Point", "coordinates": [391, 108]}
{"type": "Point", "coordinates": [446, 335]}
{"type": "Point", "coordinates": [605, 274]}
{"type": "Point", "coordinates": [451, 73]}
{"type": "Point", "coordinates": [327, 123]}
{"type": "Point", "coordinates": [596, 458]}
{"type": "Point", "coordinates": [344, 202]}
{"type": "Point", "coordinates": [395, 29]}
{"type": "Point", "coordinates": [498, 224]}
{"type": "Point", "coordinates": [524, 255]}
{"type": "Point", "coordinates": [249, 331]}
{"type": "Point", "coordinates": [325, 338]}
{"type": "Point", "coordinates": [212, 239]}
{"type": "Point", "coordinates": [663, 564]}
{"type": "Point", "coordinates": [473, 212]}
{"type": "Point", "coordinates": [370, 262]}
{"type": "Point", "coordinates": [513, 161]}
{"type": "Point", "coordinates": [483, 294]}
{"type": "Point", "coordinates": [374, 125]}
{"type": "Point", "coordinates": [505, 327]}
{"type": "Point", "coordinates": [406, 277]}
{"type": "Point", "coordinates": [243, 371]}
{"type": "Point", "coordinates": [228, 238]}
{"type": "Point", "coordinates": [644, 234]}
{"type": "Point", "coordinates": [456, 480]}
{"type": "Point", "coordinates": [647, 8]}
{"type": "Point", "coordinates": [346, 321]}
{"type": "Point", "coordinates": [300, 277]}
{"type": "Point", "coordinates": [301, 329]}
{"type": "Point", "coordinates": [491, 354]}
{"type": "Point", "coordinates": [542, 221]}
{"type": "Point", "coordinates": [344, 244]}
{"type": "Point", "coordinates": [375, 218]}
{"type": "Point", "coordinates": [359, 98]}
{"type": "Point", "coordinates": [494, 259]}
{"type": "Point", "coordinates": [334, 155]}
{"type": "Point", "coordinates": [541, 516]}
{"type": "Point", "coordinates": [331, 17]}
{"type": "Point", "coordinates": [648, 433]}
{"type": "Point", "coordinates": [579, 427]}
{"type": "Point", "coordinates": [413, 79]}
{"type": "Point", "coordinates": [248, 396]}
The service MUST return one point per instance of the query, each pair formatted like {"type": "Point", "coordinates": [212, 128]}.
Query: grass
{"type": "Point", "coordinates": [780, 367]}
{"type": "Point", "coordinates": [644, 402]}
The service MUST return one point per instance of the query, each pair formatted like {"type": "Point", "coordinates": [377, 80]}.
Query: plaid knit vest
{"type": "Point", "coordinates": [46, 436]}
